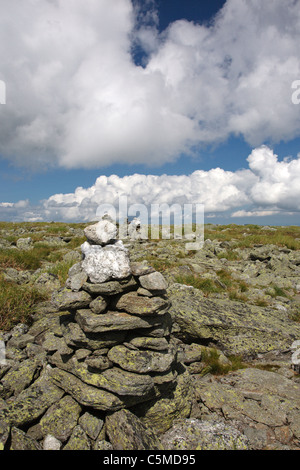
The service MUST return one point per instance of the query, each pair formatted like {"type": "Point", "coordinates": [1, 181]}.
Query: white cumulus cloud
{"type": "Point", "coordinates": [76, 98]}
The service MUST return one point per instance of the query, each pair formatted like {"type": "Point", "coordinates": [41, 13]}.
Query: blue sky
{"type": "Point", "coordinates": [160, 87]}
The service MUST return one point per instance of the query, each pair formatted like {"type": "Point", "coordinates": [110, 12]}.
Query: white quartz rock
{"type": "Point", "coordinates": [105, 263]}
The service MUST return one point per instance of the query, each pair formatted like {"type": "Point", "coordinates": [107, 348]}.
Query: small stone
{"type": "Point", "coordinates": [153, 281]}
{"type": "Point", "coordinates": [99, 363]}
{"type": "Point", "coordinates": [91, 425]}
{"type": "Point", "coordinates": [82, 354]}
{"type": "Point", "coordinates": [157, 344]}
{"type": "Point", "coordinates": [66, 299]}
{"type": "Point", "coordinates": [98, 305]}
{"type": "Point", "coordinates": [141, 268]}
{"type": "Point", "coordinates": [101, 233]}
{"type": "Point", "coordinates": [138, 305]}
{"type": "Point", "coordinates": [51, 443]}
{"type": "Point", "coordinates": [127, 432]}
{"type": "Point", "coordinates": [76, 282]}
{"type": "Point", "coordinates": [109, 288]}
{"type": "Point", "coordinates": [78, 440]}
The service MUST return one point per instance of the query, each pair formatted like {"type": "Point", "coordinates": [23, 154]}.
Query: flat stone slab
{"type": "Point", "coordinates": [114, 321]}
{"type": "Point", "coordinates": [138, 305]}
{"type": "Point", "coordinates": [141, 361]}
{"type": "Point", "coordinates": [84, 394]}
{"type": "Point", "coordinates": [66, 299]}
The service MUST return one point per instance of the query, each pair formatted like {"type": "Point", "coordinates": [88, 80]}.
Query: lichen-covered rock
{"type": "Point", "coordinates": [19, 377]}
{"type": "Point", "coordinates": [110, 288]}
{"type": "Point", "coordinates": [20, 441]}
{"type": "Point", "coordinates": [25, 244]}
{"type": "Point", "coordinates": [239, 328]}
{"type": "Point", "coordinates": [75, 337]}
{"type": "Point", "coordinates": [175, 403]}
{"type": "Point", "coordinates": [114, 380]}
{"type": "Point", "coordinates": [91, 425]}
{"type": "Point", "coordinates": [145, 342]}
{"type": "Point", "coordinates": [127, 432]}
{"type": "Point", "coordinates": [32, 402]}
{"type": "Point", "coordinates": [114, 321]}
{"type": "Point", "coordinates": [78, 440]}
{"type": "Point", "coordinates": [84, 394]}
{"type": "Point", "coordinates": [61, 418]}
{"type": "Point", "coordinates": [193, 434]}
{"type": "Point", "coordinates": [66, 299]}
{"type": "Point", "coordinates": [98, 305]}
{"type": "Point", "coordinates": [141, 361]}
{"type": "Point", "coordinates": [138, 305]}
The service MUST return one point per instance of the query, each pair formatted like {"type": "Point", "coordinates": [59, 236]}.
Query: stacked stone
{"type": "Point", "coordinates": [116, 350]}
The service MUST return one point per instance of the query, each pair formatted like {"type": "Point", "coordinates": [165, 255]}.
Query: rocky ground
{"type": "Point", "coordinates": [236, 318]}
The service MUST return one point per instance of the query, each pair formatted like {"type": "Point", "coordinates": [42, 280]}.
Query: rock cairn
{"type": "Point", "coordinates": [110, 351]}
{"type": "Point", "coordinates": [116, 336]}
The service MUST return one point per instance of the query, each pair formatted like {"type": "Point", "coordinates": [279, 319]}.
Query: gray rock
{"type": "Point", "coordinates": [101, 233]}
{"type": "Point", "coordinates": [109, 288]}
{"type": "Point", "coordinates": [193, 434]}
{"type": "Point", "coordinates": [76, 281]}
{"type": "Point", "coordinates": [91, 425]}
{"type": "Point", "coordinates": [75, 337]}
{"type": "Point", "coordinates": [66, 299]}
{"type": "Point", "coordinates": [105, 263]}
{"type": "Point", "coordinates": [141, 268]}
{"type": "Point", "coordinates": [51, 443]}
{"type": "Point", "coordinates": [239, 328]}
{"type": "Point", "coordinates": [48, 282]}
{"type": "Point", "coordinates": [114, 321]}
{"type": "Point", "coordinates": [20, 441]}
{"type": "Point", "coordinates": [98, 363]}
{"type": "Point", "coordinates": [127, 432]}
{"type": "Point", "coordinates": [61, 418]}
{"type": "Point", "coordinates": [25, 244]}
{"type": "Point", "coordinates": [141, 361]}
{"type": "Point", "coordinates": [84, 394]}
{"type": "Point", "coordinates": [78, 440]}
{"type": "Point", "coordinates": [138, 305]}
{"type": "Point", "coordinates": [98, 305]}
{"type": "Point", "coordinates": [153, 281]}
{"type": "Point", "coordinates": [19, 377]}
{"type": "Point", "coordinates": [32, 402]}
{"type": "Point", "coordinates": [156, 344]}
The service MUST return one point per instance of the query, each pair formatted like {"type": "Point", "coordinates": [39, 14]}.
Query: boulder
{"type": "Point", "coordinates": [238, 328]}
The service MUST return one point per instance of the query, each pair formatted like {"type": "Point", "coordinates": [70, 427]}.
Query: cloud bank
{"type": "Point", "coordinates": [76, 97]}
{"type": "Point", "coordinates": [267, 187]}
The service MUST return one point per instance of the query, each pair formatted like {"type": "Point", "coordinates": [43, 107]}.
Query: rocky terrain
{"type": "Point", "coordinates": [163, 348]}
